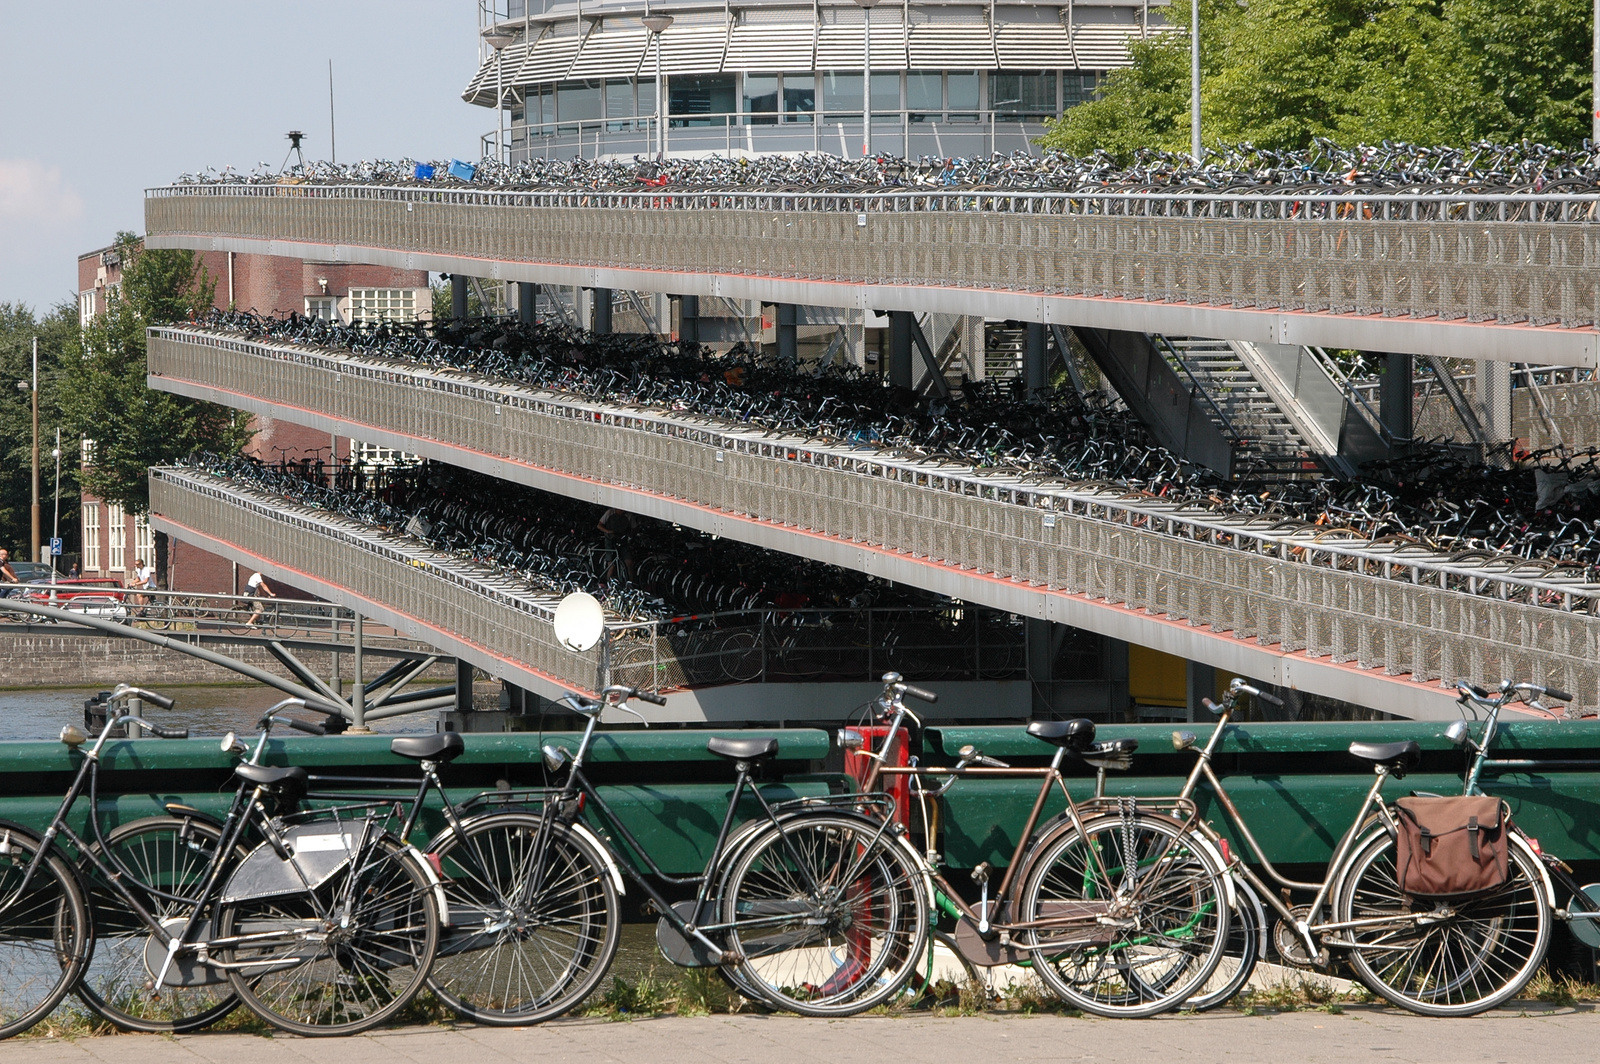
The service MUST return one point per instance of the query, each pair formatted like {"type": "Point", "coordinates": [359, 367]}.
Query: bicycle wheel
{"type": "Point", "coordinates": [1443, 956]}
{"type": "Point", "coordinates": [828, 912]}
{"type": "Point", "coordinates": [169, 858]}
{"type": "Point", "coordinates": [1246, 926]}
{"type": "Point", "coordinates": [45, 934]}
{"type": "Point", "coordinates": [1128, 917]}
{"type": "Point", "coordinates": [342, 958]}
{"type": "Point", "coordinates": [532, 929]}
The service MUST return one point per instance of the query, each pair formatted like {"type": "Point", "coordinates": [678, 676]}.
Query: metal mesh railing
{"type": "Point", "coordinates": [1477, 258]}
{"type": "Point", "coordinates": [1398, 607]}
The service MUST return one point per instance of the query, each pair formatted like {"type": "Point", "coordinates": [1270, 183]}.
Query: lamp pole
{"type": "Point", "coordinates": [498, 41]}
{"type": "Point", "coordinates": [866, 75]}
{"type": "Point", "coordinates": [1194, 80]}
{"type": "Point", "coordinates": [657, 25]}
{"type": "Point", "coordinates": [1594, 128]}
{"type": "Point", "coordinates": [37, 551]}
{"type": "Point", "coordinates": [55, 523]}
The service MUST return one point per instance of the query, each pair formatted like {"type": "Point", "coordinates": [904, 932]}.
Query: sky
{"type": "Point", "coordinates": [100, 100]}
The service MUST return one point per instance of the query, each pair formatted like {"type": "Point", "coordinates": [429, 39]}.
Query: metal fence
{"type": "Point", "coordinates": [1508, 259]}
{"type": "Point", "coordinates": [1396, 607]}
{"type": "Point", "coordinates": [489, 608]}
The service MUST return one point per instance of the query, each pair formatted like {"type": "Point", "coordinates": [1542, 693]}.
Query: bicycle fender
{"type": "Point", "coordinates": [433, 882]}
{"type": "Point", "coordinates": [584, 832]}
{"type": "Point", "coordinates": [1538, 862]}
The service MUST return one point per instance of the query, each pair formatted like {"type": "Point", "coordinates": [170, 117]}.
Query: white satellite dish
{"type": "Point", "coordinates": [579, 621]}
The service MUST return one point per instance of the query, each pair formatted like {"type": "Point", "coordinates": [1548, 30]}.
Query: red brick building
{"type": "Point", "coordinates": [112, 540]}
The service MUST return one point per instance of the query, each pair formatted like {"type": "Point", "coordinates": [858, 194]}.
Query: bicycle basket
{"type": "Point", "coordinates": [1451, 845]}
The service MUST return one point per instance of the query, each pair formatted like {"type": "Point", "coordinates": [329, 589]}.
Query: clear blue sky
{"type": "Point", "coordinates": [100, 99]}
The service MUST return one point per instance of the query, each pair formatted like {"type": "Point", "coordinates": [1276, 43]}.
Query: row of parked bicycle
{"type": "Point", "coordinates": [1435, 496]}
{"type": "Point", "coordinates": [1389, 165]}
{"type": "Point", "coordinates": [310, 902]}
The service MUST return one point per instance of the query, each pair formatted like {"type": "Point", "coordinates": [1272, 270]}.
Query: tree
{"type": "Point", "coordinates": [57, 332]}
{"type": "Point", "coordinates": [1280, 73]}
{"type": "Point", "coordinates": [104, 395]}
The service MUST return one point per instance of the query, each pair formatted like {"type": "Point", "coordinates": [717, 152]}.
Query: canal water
{"type": "Point", "coordinates": [40, 714]}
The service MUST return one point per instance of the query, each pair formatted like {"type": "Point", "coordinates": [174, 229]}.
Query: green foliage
{"type": "Point", "coordinates": [104, 397]}
{"type": "Point", "coordinates": [57, 333]}
{"type": "Point", "coordinates": [1279, 73]}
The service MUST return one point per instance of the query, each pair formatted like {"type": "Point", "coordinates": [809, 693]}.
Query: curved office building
{"type": "Point", "coordinates": [947, 79]}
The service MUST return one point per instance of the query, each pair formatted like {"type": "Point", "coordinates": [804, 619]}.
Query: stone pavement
{"type": "Point", "coordinates": [1547, 1036]}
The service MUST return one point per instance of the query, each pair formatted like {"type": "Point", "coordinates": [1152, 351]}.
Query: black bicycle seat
{"type": "Point", "coordinates": [444, 746]}
{"type": "Point", "coordinates": [1074, 734]}
{"type": "Point", "coordinates": [743, 749]}
{"type": "Point", "coordinates": [1402, 756]}
{"type": "Point", "coordinates": [286, 780]}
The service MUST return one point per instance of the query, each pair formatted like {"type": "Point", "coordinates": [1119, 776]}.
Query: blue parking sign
{"type": "Point", "coordinates": [55, 547]}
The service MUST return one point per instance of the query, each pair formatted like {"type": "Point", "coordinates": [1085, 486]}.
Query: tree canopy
{"type": "Point", "coordinates": [103, 392]}
{"type": "Point", "coordinates": [58, 335]}
{"type": "Point", "coordinates": [1279, 73]}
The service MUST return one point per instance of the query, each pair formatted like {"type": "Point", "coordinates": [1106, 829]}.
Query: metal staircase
{"type": "Point", "coordinates": [1267, 439]}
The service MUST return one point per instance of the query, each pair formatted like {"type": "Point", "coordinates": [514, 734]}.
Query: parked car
{"type": "Point", "coordinates": [105, 599]}
{"type": "Point", "coordinates": [30, 572]}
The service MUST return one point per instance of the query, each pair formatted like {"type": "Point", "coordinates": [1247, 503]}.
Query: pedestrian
{"type": "Point", "coordinates": [8, 575]}
{"type": "Point", "coordinates": [258, 588]}
{"type": "Point", "coordinates": [73, 572]}
{"type": "Point", "coordinates": [143, 578]}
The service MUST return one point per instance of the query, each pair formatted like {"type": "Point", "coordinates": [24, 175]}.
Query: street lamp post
{"type": "Point", "coordinates": [55, 522]}
{"type": "Point", "coordinates": [866, 75]}
{"type": "Point", "coordinates": [1194, 80]}
{"type": "Point", "coordinates": [498, 40]}
{"type": "Point", "coordinates": [25, 386]}
{"type": "Point", "coordinates": [657, 25]}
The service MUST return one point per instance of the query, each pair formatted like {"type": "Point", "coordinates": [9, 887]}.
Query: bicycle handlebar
{"type": "Point", "coordinates": [300, 725]}
{"type": "Point", "coordinates": [919, 693]}
{"type": "Point", "coordinates": [125, 691]}
{"type": "Point", "coordinates": [165, 733]}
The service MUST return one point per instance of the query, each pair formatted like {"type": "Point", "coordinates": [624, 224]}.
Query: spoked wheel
{"type": "Point", "coordinates": [169, 858]}
{"type": "Point", "coordinates": [1444, 956]}
{"type": "Point", "coordinates": [1247, 925]}
{"type": "Point", "coordinates": [1130, 916]}
{"type": "Point", "coordinates": [342, 959]}
{"type": "Point", "coordinates": [532, 929]}
{"type": "Point", "coordinates": [45, 934]}
{"type": "Point", "coordinates": [829, 913]}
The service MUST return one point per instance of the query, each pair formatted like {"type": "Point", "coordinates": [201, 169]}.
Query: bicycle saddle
{"type": "Point", "coordinates": [1075, 735]}
{"type": "Point", "coordinates": [289, 779]}
{"type": "Point", "coordinates": [743, 749]}
{"type": "Point", "coordinates": [445, 746]}
{"type": "Point", "coordinates": [1402, 756]}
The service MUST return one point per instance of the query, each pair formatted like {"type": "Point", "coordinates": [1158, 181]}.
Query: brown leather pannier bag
{"type": "Point", "coordinates": [1451, 845]}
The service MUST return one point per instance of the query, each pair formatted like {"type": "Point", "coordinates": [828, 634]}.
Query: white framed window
{"type": "Point", "coordinates": [380, 304]}
{"type": "Point", "coordinates": [91, 536]}
{"type": "Point", "coordinates": [116, 538]}
{"type": "Point", "coordinates": [144, 539]}
{"type": "Point", "coordinates": [373, 455]}
{"type": "Point", "coordinates": [85, 307]}
{"type": "Point", "coordinates": [86, 453]}
{"type": "Point", "coordinates": [324, 307]}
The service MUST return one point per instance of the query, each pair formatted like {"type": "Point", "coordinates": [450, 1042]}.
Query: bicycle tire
{"type": "Point", "coordinates": [1489, 948]}
{"type": "Point", "coordinates": [118, 983]}
{"type": "Point", "coordinates": [503, 961]}
{"type": "Point", "coordinates": [1247, 925]}
{"type": "Point", "coordinates": [341, 983]}
{"type": "Point", "coordinates": [46, 936]}
{"type": "Point", "coordinates": [1178, 911]}
{"type": "Point", "coordinates": [868, 893]}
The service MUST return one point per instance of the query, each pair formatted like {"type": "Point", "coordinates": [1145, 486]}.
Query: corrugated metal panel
{"type": "Point", "coordinates": [481, 89]}
{"type": "Point", "coordinates": [839, 47]}
{"type": "Point", "coordinates": [690, 50]}
{"type": "Point", "coordinates": [1039, 46]}
{"type": "Point", "coordinates": [550, 59]}
{"type": "Point", "coordinates": [475, 87]}
{"type": "Point", "coordinates": [774, 48]}
{"type": "Point", "coordinates": [615, 54]}
{"type": "Point", "coordinates": [948, 46]}
{"type": "Point", "coordinates": [1102, 47]}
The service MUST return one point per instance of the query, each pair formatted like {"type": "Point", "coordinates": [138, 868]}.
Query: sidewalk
{"type": "Point", "coordinates": [1549, 1036]}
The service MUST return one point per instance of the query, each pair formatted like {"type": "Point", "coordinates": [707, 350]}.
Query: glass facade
{"type": "Point", "coordinates": [761, 99]}
{"type": "Point", "coordinates": [701, 100]}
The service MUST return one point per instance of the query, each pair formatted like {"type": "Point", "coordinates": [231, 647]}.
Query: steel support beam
{"type": "Point", "coordinates": [458, 296]}
{"type": "Point", "coordinates": [688, 319]}
{"type": "Point", "coordinates": [787, 332]}
{"type": "Point", "coordinates": [527, 302]}
{"type": "Point", "coordinates": [1035, 360]}
{"type": "Point", "coordinates": [600, 311]}
{"type": "Point", "coordinates": [1395, 388]}
{"type": "Point", "coordinates": [901, 325]}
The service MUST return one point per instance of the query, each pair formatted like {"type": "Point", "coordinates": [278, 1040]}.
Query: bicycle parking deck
{"type": "Point", "coordinates": [1524, 1031]}
{"type": "Point", "coordinates": [1452, 276]}
{"type": "Point", "coordinates": [1289, 605]}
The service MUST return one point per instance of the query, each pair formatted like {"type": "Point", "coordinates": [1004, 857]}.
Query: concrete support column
{"type": "Point", "coordinates": [972, 346]}
{"type": "Point", "coordinates": [689, 319]}
{"type": "Point", "coordinates": [600, 311]}
{"type": "Point", "coordinates": [463, 686]}
{"type": "Point", "coordinates": [1041, 646]}
{"type": "Point", "coordinates": [1034, 360]}
{"type": "Point", "coordinates": [901, 323]}
{"type": "Point", "coordinates": [788, 332]}
{"type": "Point", "coordinates": [527, 302]}
{"type": "Point", "coordinates": [1394, 395]}
{"type": "Point", "coordinates": [1116, 670]}
{"type": "Point", "coordinates": [458, 296]}
{"type": "Point", "coordinates": [1200, 681]}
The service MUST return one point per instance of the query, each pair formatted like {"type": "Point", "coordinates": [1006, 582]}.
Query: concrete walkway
{"type": "Point", "coordinates": [1548, 1036]}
